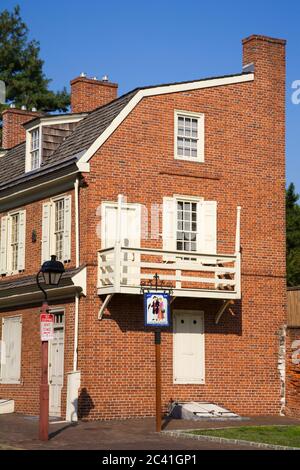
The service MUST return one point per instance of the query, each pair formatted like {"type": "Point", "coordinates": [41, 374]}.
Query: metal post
{"type": "Point", "coordinates": [158, 379]}
{"type": "Point", "coordinates": [44, 388]}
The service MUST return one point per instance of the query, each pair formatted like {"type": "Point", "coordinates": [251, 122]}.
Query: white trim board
{"type": "Point", "coordinates": [160, 90]}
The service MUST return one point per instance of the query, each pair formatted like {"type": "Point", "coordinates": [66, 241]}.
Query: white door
{"type": "Point", "coordinates": [130, 237]}
{"type": "Point", "coordinates": [56, 370]}
{"type": "Point", "coordinates": [188, 355]}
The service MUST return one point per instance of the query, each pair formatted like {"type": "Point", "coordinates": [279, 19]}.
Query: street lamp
{"type": "Point", "coordinates": [52, 271]}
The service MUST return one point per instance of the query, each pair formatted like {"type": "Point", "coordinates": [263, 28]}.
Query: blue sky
{"type": "Point", "coordinates": [148, 42]}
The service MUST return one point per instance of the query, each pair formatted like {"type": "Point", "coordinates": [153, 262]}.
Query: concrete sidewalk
{"type": "Point", "coordinates": [20, 432]}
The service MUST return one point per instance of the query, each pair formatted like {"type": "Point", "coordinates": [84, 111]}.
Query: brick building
{"type": "Point", "coordinates": [186, 180]}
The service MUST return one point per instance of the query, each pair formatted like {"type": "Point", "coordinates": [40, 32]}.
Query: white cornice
{"type": "Point", "coordinates": [54, 119]}
{"type": "Point", "coordinates": [161, 90]}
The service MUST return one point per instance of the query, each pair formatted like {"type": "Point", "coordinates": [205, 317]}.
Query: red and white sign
{"type": "Point", "coordinates": [47, 326]}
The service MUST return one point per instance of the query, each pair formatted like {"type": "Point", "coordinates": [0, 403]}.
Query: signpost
{"type": "Point", "coordinates": [157, 315]}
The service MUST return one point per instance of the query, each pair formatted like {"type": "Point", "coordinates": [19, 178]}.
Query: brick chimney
{"type": "Point", "coordinates": [13, 132]}
{"type": "Point", "coordinates": [88, 93]}
{"type": "Point", "coordinates": [267, 55]}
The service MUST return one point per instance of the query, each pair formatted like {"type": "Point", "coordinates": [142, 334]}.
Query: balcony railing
{"type": "Point", "coordinates": [124, 270]}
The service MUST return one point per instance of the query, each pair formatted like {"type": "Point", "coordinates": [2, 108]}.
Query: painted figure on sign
{"type": "Point", "coordinates": [155, 308]}
{"type": "Point", "coordinates": [161, 313]}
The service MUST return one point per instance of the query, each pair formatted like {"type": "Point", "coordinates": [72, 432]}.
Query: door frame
{"type": "Point", "coordinates": [200, 313]}
{"type": "Point", "coordinates": [114, 205]}
{"type": "Point", "coordinates": [56, 311]}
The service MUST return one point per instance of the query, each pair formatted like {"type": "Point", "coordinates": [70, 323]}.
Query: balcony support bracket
{"type": "Point", "coordinates": [104, 306]}
{"type": "Point", "coordinates": [222, 309]}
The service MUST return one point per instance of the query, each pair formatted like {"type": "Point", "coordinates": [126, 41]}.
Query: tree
{"type": "Point", "coordinates": [292, 236]}
{"type": "Point", "coordinates": [21, 68]}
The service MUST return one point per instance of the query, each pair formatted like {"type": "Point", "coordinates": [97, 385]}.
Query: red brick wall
{"type": "Point", "coordinates": [244, 154]}
{"type": "Point", "coordinates": [88, 94]}
{"type": "Point", "coordinates": [13, 132]}
{"type": "Point", "coordinates": [293, 372]}
{"type": "Point", "coordinates": [26, 394]}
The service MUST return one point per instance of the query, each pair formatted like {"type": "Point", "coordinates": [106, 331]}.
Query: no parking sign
{"type": "Point", "coordinates": [47, 326]}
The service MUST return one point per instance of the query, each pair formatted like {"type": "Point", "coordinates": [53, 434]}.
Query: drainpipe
{"type": "Point", "coordinates": [77, 245]}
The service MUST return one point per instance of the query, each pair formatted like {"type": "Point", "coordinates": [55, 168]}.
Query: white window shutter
{"type": "Point", "coordinates": [22, 236]}
{"type": "Point", "coordinates": [210, 227]}
{"type": "Point", "coordinates": [3, 246]}
{"type": "Point", "coordinates": [46, 232]}
{"type": "Point", "coordinates": [12, 338]}
{"type": "Point", "coordinates": [67, 229]}
{"type": "Point", "coordinates": [169, 229]}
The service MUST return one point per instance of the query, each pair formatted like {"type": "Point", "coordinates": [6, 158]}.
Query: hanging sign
{"type": "Point", "coordinates": [157, 309]}
{"type": "Point", "coordinates": [47, 326]}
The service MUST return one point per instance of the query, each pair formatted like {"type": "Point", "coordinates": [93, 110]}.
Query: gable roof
{"type": "Point", "coordinates": [98, 125]}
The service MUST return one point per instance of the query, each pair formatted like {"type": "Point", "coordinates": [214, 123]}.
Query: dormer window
{"type": "Point", "coordinates": [35, 149]}
{"type": "Point", "coordinates": [44, 134]}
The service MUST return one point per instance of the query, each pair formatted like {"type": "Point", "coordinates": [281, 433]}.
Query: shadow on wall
{"type": "Point", "coordinates": [85, 404]}
{"type": "Point", "coordinates": [128, 312]}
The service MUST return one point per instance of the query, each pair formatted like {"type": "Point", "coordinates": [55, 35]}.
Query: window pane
{"type": "Point", "coordinates": [14, 242]}
{"type": "Point", "coordinates": [59, 228]}
{"type": "Point", "coordinates": [179, 246]}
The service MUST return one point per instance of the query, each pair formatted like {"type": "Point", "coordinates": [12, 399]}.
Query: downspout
{"type": "Point", "coordinates": [77, 247]}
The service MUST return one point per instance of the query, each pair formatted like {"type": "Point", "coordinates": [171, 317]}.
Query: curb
{"type": "Point", "coordinates": [224, 440]}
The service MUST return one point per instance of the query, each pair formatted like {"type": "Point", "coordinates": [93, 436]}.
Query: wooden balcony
{"type": "Point", "coordinates": [123, 270]}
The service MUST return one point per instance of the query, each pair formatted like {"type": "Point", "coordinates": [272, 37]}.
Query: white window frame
{"type": "Point", "coordinates": [5, 380]}
{"type": "Point", "coordinates": [28, 162]}
{"type": "Point", "coordinates": [10, 271]}
{"type": "Point", "coordinates": [52, 240]}
{"type": "Point", "coordinates": [200, 216]}
{"type": "Point", "coordinates": [52, 228]}
{"type": "Point", "coordinates": [189, 382]}
{"type": "Point", "coordinates": [200, 138]}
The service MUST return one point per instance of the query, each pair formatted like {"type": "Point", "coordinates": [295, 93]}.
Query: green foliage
{"type": "Point", "coordinates": [292, 236]}
{"type": "Point", "coordinates": [22, 69]}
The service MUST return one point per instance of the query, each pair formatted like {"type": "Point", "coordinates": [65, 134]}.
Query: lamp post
{"type": "Point", "coordinates": [52, 271]}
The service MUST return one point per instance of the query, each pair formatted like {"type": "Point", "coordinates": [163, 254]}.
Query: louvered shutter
{"type": "Point", "coordinates": [210, 227]}
{"type": "Point", "coordinates": [21, 244]}
{"type": "Point", "coordinates": [12, 337]}
{"type": "Point", "coordinates": [46, 231]}
{"type": "Point", "coordinates": [169, 229]}
{"type": "Point", "coordinates": [3, 246]}
{"type": "Point", "coordinates": [67, 229]}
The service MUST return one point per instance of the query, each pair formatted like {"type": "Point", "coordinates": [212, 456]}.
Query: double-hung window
{"type": "Point", "coordinates": [189, 225]}
{"type": "Point", "coordinates": [35, 149]}
{"type": "Point", "coordinates": [189, 136]}
{"type": "Point", "coordinates": [187, 232]}
{"type": "Point", "coordinates": [59, 226]}
{"type": "Point", "coordinates": [12, 243]}
{"type": "Point", "coordinates": [56, 229]}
